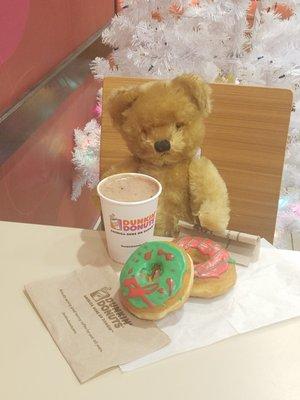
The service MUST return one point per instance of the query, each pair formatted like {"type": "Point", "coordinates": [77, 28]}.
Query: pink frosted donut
{"type": "Point", "coordinates": [215, 272]}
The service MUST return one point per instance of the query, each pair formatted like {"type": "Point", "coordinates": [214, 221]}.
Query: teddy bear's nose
{"type": "Point", "coordinates": [162, 145]}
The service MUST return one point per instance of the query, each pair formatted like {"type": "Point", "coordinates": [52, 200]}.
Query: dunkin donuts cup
{"type": "Point", "coordinates": [128, 224]}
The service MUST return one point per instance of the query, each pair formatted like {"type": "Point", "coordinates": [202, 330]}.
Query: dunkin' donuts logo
{"type": "Point", "coordinates": [100, 294]}
{"type": "Point", "coordinates": [132, 225]}
{"type": "Point", "coordinates": [108, 309]}
{"type": "Point", "coordinates": [115, 223]}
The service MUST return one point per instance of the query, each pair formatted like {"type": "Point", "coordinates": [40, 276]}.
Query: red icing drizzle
{"type": "Point", "coordinates": [148, 255]}
{"type": "Point", "coordinates": [168, 256]}
{"type": "Point", "coordinates": [135, 290]}
{"type": "Point", "coordinates": [170, 284]}
{"type": "Point", "coordinates": [218, 257]}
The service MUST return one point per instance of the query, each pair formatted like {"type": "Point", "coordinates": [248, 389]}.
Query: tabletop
{"type": "Point", "coordinates": [261, 365]}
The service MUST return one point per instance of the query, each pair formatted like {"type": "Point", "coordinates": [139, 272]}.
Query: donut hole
{"type": "Point", "coordinates": [197, 257]}
{"type": "Point", "coordinates": [156, 271]}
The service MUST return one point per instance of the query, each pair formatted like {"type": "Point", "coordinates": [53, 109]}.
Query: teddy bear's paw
{"type": "Point", "coordinates": [213, 218]}
{"type": "Point", "coordinates": [210, 224]}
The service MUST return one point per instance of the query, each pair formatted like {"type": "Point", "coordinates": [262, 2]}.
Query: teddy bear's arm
{"type": "Point", "coordinates": [209, 196]}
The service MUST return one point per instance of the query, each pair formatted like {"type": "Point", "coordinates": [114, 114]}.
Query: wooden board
{"type": "Point", "coordinates": [295, 241]}
{"type": "Point", "coordinates": [245, 138]}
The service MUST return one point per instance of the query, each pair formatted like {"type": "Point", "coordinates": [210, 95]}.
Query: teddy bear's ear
{"type": "Point", "coordinates": [199, 91]}
{"type": "Point", "coordinates": [120, 101]}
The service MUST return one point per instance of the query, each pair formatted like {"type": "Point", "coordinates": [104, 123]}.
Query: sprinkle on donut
{"type": "Point", "coordinates": [218, 258]}
{"type": "Point", "coordinates": [214, 270]}
{"type": "Point", "coordinates": [158, 282]}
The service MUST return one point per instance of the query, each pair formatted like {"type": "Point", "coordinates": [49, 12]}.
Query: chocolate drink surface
{"type": "Point", "coordinates": [129, 188]}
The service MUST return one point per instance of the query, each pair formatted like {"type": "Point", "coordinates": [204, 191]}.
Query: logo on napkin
{"type": "Point", "coordinates": [87, 321]}
{"type": "Point", "coordinates": [108, 309]}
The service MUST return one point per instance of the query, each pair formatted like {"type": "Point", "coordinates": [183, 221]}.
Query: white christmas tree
{"type": "Point", "coordinates": [213, 38]}
{"type": "Point", "coordinates": [86, 157]}
{"type": "Point", "coordinates": [241, 41]}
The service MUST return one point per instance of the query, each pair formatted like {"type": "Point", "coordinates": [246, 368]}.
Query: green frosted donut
{"type": "Point", "coordinates": [156, 279]}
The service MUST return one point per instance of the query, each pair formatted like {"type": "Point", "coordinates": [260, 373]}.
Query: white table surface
{"type": "Point", "coordinates": [260, 365]}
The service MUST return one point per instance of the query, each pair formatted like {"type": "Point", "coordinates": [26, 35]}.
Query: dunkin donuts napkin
{"type": "Point", "coordinates": [84, 316]}
{"type": "Point", "coordinates": [266, 292]}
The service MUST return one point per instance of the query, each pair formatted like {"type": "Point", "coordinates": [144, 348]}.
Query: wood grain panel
{"type": "Point", "coordinates": [245, 138]}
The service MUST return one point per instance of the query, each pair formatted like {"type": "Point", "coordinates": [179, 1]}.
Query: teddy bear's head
{"type": "Point", "coordinates": [162, 121]}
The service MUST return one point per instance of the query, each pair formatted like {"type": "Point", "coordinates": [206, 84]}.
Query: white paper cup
{"type": "Point", "coordinates": [128, 224]}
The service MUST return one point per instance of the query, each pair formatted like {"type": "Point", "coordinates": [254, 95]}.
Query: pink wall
{"type": "Point", "coordinates": [36, 181]}
{"type": "Point", "coordinates": [35, 35]}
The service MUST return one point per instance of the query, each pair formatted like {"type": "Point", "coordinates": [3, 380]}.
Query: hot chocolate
{"type": "Point", "coordinates": [129, 188]}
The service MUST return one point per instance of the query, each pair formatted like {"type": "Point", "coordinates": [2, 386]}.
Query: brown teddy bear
{"type": "Point", "coordinates": [162, 123]}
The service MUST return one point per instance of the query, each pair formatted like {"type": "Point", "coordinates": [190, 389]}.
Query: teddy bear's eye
{"type": "Point", "coordinates": [179, 125]}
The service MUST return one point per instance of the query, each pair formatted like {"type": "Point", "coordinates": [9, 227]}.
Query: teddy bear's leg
{"type": "Point", "coordinates": [164, 224]}
{"type": "Point", "coordinates": [209, 196]}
